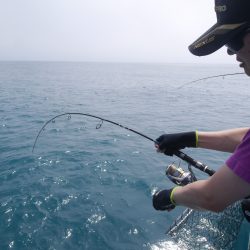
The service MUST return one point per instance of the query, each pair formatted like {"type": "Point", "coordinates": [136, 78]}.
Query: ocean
{"type": "Point", "coordinates": [89, 188]}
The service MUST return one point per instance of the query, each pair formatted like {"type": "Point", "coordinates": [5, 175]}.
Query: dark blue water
{"type": "Point", "coordinates": [88, 188]}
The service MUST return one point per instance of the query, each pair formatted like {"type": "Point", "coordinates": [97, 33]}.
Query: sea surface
{"type": "Point", "coordinates": [89, 188]}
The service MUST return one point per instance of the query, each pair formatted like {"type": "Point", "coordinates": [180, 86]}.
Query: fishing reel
{"type": "Point", "coordinates": [178, 176]}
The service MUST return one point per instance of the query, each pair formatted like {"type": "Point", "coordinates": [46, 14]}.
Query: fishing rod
{"type": "Point", "coordinates": [177, 153]}
{"type": "Point", "coordinates": [210, 77]}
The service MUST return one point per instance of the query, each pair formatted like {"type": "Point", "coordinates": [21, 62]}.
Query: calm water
{"type": "Point", "coordinates": [85, 188]}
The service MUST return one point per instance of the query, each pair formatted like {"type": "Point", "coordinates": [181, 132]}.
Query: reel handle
{"type": "Point", "coordinates": [194, 163]}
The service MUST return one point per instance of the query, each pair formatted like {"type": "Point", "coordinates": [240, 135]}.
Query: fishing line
{"type": "Point", "coordinates": [178, 153]}
{"type": "Point", "coordinates": [209, 77]}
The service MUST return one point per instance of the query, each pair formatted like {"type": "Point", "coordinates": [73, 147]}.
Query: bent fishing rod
{"type": "Point", "coordinates": [177, 153]}
{"type": "Point", "coordinates": [210, 77]}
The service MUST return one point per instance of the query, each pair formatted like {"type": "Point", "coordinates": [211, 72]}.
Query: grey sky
{"type": "Point", "coordinates": [105, 30]}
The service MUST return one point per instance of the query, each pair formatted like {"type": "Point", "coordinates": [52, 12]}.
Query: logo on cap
{"type": "Point", "coordinates": [204, 42]}
{"type": "Point", "coordinates": [220, 8]}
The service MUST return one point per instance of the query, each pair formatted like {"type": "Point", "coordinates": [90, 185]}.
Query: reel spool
{"type": "Point", "coordinates": [178, 176]}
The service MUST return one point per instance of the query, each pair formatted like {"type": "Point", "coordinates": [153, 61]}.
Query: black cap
{"type": "Point", "coordinates": [233, 16]}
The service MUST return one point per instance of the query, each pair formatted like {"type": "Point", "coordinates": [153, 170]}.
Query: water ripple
{"type": "Point", "coordinates": [87, 188]}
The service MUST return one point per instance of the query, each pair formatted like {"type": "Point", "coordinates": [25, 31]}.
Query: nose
{"type": "Point", "coordinates": [230, 52]}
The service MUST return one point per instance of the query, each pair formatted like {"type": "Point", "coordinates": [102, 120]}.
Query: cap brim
{"type": "Point", "coordinates": [217, 36]}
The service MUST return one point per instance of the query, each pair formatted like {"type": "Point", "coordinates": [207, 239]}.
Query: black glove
{"type": "Point", "coordinates": [169, 143]}
{"type": "Point", "coordinates": [245, 205]}
{"type": "Point", "coordinates": [162, 200]}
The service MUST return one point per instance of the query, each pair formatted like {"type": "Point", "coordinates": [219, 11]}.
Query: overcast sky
{"type": "Point", "coordinates": [105, 30]}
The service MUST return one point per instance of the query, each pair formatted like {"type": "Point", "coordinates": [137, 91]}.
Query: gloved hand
{"type": "Point", "coordinates": [169, 143]}
{"type": "Point", "coordinates": [163, 200]}
{"type": "Point", "coordinates": [245, 205]}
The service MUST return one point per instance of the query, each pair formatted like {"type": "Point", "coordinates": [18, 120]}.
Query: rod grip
{"type": "Point", "coordinates": [194, 163]}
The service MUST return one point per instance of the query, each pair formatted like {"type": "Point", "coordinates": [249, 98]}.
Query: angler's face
{"type": "Point", "coordinates": [243, 55]}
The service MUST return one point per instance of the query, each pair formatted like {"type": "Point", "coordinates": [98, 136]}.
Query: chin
{"type": "Point", "coordinates": [246, 68]}
{"type": "Point", "coordinates": [247, 71]}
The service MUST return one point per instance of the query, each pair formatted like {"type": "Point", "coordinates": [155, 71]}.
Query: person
{"type": "Point", "coordinates": [231, 182]}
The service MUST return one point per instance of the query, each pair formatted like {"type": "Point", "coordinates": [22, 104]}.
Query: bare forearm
{"type": "Point", "coordinates": [215, 193]}
{"type": "Point", "coordinates": [226, 140]}
{"type": "Point", "coordinates": [193, 196]}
